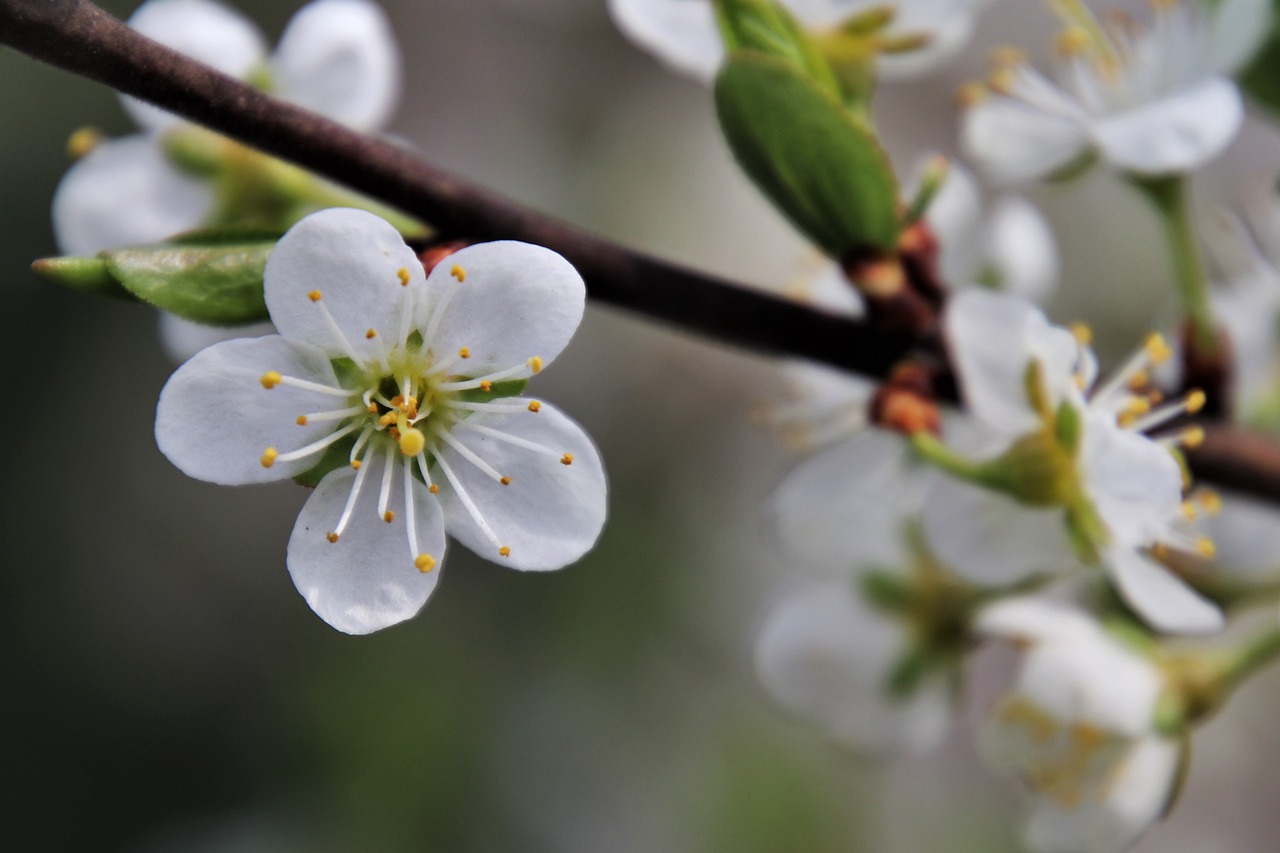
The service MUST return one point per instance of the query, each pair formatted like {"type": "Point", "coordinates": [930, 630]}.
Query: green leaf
{"type": "Point", "coordinates": [217, 284]}
{"type": "Point", "coordinates": [86, 275]}
{"type": "Point", "coordinates": [1261, 77]}
{"type": "Point", "coordinates": [824, 171]}
{"type": "Point", "coordinates": [766, 27]}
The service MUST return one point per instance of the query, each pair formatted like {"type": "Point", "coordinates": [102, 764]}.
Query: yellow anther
{"type": "Point", "coordinates": [504, 551]}
{"type": "Point", "coordinates": [397, 402]}
{"type": "Point", "coordinates": [403, 275]}
{"type": "Point", "coordinates": [355, 464]}
{"type": "Point", "coordinates": [1160, 550]}
{"type": "Point", "coordinates": [1139, 380]}
{"type": "Point", "coordinates": [506, 481]}
{"type": "Point", "coordinates": [388, 419]}
{"type": "Point", "coordinates": [424, 563]}
{"type": "Point", "coordinates": [1209, 501]}
{"type": "Point", "coordinates": [534, 406]}
{"type": "Point", "coordinates": [1137, 406]}
{"type": "Point", "coordinates": [1154, 396]}
{"type": "Point", "coordinates": [1073, 41]}
{"type": "Point", "coordinates": [535, 364]}
{"type": "Point", "coordinates": [465, 352]}
{"type": "Point", "coordinates": [1195, 401]}
{"type": "Point", "coordinates": [1008, 55]}
{"type": "Point", "coordinates": [1192, 437]}
{"type": "Point", "coordinates": [83, 141]}
{"type": "Point", "coordinates": [388, 516]}
{"type": "Point", "coordinates": [301, 421]}
{"type": "Point", "coordinates": [268, 457]}
{"type": "Point", "coordinates": [971, 94]}
{"type": "Point", "coordinates": [1002, 81]}
{"type": "Point", "coordinates": [458, 272]}
{"type": "Point", "coordinates": [331, 536]}
{"type": "Point", "coordinates": [433, 489]}
{"type": "Point", "coordinates": [412, 441]}
{"type": "Point", "coordinates": [373, 408]}
{"type": "Point", "coordinates": [567, 459]}
{"type": "Point", "coordinates": [370, 335]}
{"type": "Point", "coordinates": [486, 385]}
{"type": "Point", "coordinates": [1157, 348]}
{"type": "Point", "coordinates": [1083, 334]}
{"type": "Point", "coordinates": [1205, 547]}
{"type": "Point", "coordinates": [270, 379]}
{"type": "Point", "coordinates": [1189, 510]}
{"type": "Point", "coordinates": [314, 296]}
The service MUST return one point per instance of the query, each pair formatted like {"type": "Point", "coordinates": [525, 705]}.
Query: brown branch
{"type": "Point", "coordinates": [77, 36]}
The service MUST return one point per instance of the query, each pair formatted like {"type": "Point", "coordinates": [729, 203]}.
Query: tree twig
{"type": "Point", "coordinates": [79, 37]}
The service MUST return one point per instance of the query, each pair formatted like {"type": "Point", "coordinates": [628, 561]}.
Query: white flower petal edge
{"type": "Point", "coordinates": [1021, 248]}
{"type": "Point", "coordinates": [1176, 133]}
{"type": "Point", "coordinates": [681, 33]}
{"type": "Point", "coordinates": [215, 417]}
{"type": "Point", "coordinates": [506, 302]}
{"type": "Point", "coordinates": [204, 30]}
{"type": "Point", "coordinates": [129, 174]}
{"type": "Point", "coordinates": [340, 59]}
{"type": "Point", "coordinates": [827, 657]}
{"type": "Point", "coordinates": [1015, 143]}
{"type": "Point", "coordinates": [337, 275]}
{"type": "Point", "coordinates": [182, 339]}
{"type": "Point", "coordinates": [366, 580]}
{"type": "Point", "coordinates": [550, 514]}
{"type": "Point", "coordinates": [1162, 599]}
{"type": "Point", "coordinates": [1239, 29]}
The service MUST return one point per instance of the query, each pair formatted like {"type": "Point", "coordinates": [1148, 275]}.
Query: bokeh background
{"type": "Point", "coordinates": [164, 688]}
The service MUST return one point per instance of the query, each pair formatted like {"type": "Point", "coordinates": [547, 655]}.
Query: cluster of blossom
{"type": "Point", "coordinates": [1055, 511]}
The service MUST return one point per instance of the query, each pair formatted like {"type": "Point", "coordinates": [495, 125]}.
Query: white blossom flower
{"type": "Point", "coordinates": [683, 33]}
{"type": "Point", "coordinates": [1149, 101]}
{"type": "Point", "coordinates": [336, 57]}
{"type": "Point", "coordinates": [829, 657]}
{"type": "Point", "coordinates": [403, 376]}
{"type": "Point", "coordinates": [1079, 727]}
{"type": "Point", "coordinates": [1066, 477]}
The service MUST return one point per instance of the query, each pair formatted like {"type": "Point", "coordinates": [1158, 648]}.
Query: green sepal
{"type": "Point", "coordinates": [218, 284]}
{"type": "Point", "coordinates": [1069, 427]}
{"type": "Point", "coordinates": [824, 170]}
{"type": "Point", "coordinates": [767, 28]}
{"type": "Point", "coordinates": [85, 275]}
{"type": "Point", "coordinates": [887, 591]}
{"type": "Point", "coordinates": [911, 669]}
{"type": "Point", "coordinates": [335, 456]}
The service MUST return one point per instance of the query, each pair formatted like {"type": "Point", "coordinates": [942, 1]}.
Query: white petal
{"type": "Point", "coordinates": [1134, 483]}
{"type": "Point", "coordinates": [1177, 133]}
{"type": "Point", "coordinates": [354, 259]}
{"type": "Point", "coordinates": [215, 418]}
{"type": "Point", "coordinates": [1239, 29]}
{"type": "Point", "coordinates": [847, 506]}
{"type": "Point", "coordinates": [955, 217]}
{"type": "Point", "coordinates": [827, 657]}
{"type": "Point", "coordinates": [203, 30]}
{"type": "Point", "coordinates": [992, 539]}
{"type": "Point", "coordinates": [1246, 534]}
{"type": "Point", "coordinates": [1021, 248]}
{"type": "Point", "coordinates": [1013, 141]}
{"type": "Point", "coordinates": [125, 193]}
{"type": "Point", "coordinates": [993, 338]}
{"type": "Point", "coordinates": [1034, 619]}
{"type": "Point", "coordinates": [1092, 679]}
{"type": "Point", "coordinates": [551, 513]}
{"type": "Point", "coordinates": [1162, 599]}
{"type": "Point", "coordinates": [517, 301]}
{"type": "Point", "coordinates": [182, 339]}
{"type": "Point", "coordinates": [340, 59]}
{"type": "Point", "coordinates": [1110, 820]}
{"type": "Point", "coordinates": [949, 27]}
{"type": "Point", "coordinates": [681, 33]}
{"type": "Point", "coordinates": [366, 580]}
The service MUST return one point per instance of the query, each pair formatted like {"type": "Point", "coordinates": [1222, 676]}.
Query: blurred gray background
{"type": "Point", "coordinates": [166, 689]}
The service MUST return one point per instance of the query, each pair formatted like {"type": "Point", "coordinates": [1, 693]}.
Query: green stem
{"type": "Point", "coordinates": [1168, 194]}
{"type": "Point", "coordinates": [930, 449]}
{"type": "Point", "coordinates": [1251, 657]}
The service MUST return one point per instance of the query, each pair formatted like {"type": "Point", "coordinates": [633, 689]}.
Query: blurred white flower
{"type": "Point", "coordinates": [1079, 728]}
{"type": "Point", "coordinates": [1149, 101]}
{"type": "Point", "coordinates": [404, 376]}
{"type": "Point", "coordinates": [336, 57]}
{"type": "Point", "coordinates": [683, 33]}
{"type": "Point", "coordinates": [829, 657]}
{"type": "Point", "coordinates": [1065, 478]}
